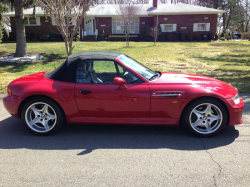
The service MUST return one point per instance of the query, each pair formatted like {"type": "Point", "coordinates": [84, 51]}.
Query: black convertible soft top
{"type": "Point", "coordinates": [67, 71]}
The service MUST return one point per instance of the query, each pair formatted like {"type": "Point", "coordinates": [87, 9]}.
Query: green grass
{"type": "Point", "coordinates": [227, 61]}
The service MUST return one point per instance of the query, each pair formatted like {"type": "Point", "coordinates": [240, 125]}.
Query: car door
{"type": "Point", "coordinates": [97, 96]}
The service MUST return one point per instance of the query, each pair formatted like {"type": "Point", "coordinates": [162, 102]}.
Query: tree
{"type": "Point", "coordinates": [2, 9]}
{"type": "Point", "coordinates": [155, 33]}
{"type": "Point", "coordinates": [65, 13]}
{"type": "Point", "coordinates": [19, 5]}
{"type": "Point", "coordinates": [127, 12]}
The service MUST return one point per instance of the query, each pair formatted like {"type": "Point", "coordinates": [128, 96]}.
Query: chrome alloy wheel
{"type": "Point", "coordinates": [40, 117]}
{"type": "Point", "coordinates": [205, 118]}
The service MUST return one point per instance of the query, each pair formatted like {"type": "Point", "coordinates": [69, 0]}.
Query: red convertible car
{"type": "Point", "coordinates": [112, 88]}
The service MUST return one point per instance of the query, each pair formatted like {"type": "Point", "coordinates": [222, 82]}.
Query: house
{"type": "Point", "coordinates": [173, 19]}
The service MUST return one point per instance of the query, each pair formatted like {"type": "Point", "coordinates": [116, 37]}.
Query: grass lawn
{"type": "Point", "coordinates": [227, 61]}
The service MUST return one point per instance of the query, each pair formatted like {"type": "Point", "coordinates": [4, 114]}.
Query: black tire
{"type": "Point", "coordinates": [38, 113]}
{"type": "Point", "coordinates": [198, 120]}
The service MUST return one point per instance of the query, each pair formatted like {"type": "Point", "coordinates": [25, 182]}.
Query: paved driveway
{"type": "Point", "coordinates": [95, 155]}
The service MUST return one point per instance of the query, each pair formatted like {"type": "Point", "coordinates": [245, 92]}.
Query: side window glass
{"type": "Point", "coordinates": [128, 76]}
{"type": "Point", "coordinates": [96, 71]}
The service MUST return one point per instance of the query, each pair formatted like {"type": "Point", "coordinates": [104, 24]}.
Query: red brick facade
{"type": "Point", "coordinates": [185, 23]}
{"type": "Point", "coordinates": [104, 25]}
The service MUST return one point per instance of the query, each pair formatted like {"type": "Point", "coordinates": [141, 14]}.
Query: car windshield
{"type": "Point", "coordinates": [139, 68]}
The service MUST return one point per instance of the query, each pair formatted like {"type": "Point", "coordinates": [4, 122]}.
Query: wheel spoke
{"type": "Point", "coordinates": [46, 126]}
{"type": "Point", "coordinates": [198, 122]}
{"type": "Point", "coordinates": [35, 110]}
{"type": "Point", "coordinates": [34, 121]}
{"type": "Point", "coordinates": [50, 117]}
{"type": "Point", "coordinates": [198, 113]}
{"type": "Point", "coordinates": [208, 126]}
{"type": "Point", "coordinates": [214, 118]}
{"type": "Point", "coordinates": [45, 109]}
{"type": "Point", "coordinates": [208, 110]}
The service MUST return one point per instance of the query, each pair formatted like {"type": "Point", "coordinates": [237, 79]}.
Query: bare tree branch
{"type": "Point", "coordinates": [68, 16]}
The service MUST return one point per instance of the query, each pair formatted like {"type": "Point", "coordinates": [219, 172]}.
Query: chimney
{"type": "Point", "coordinates": [155, 2]}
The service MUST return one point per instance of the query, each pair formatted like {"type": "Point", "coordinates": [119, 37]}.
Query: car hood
{"type": "Point", "coordinates": [206, 83]}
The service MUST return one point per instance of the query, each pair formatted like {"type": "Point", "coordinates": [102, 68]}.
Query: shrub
{"type": "Point", "coordinates": [216, 36]}
{"type": "Point", "coordinates": [12, 36]}
{"type": "Point", "coordinates": [222, 35]}
{"type": "Point", "coordinates": [222, 38]}
{"type": "Point", "coordinates": [123, 38]}
{"type": "Point", "coordinates": [229, 37]}
{"type": "Point", "coordinates": [187, 37]}
{"type": "Point", "coordinates": [209, 36]}
{"type": "Point", "coordinates": [174, 38]}
{"type": "Point", "coordinates": [77, 37]}
{"type": "Point", "coordinates": [194, 37]}
{"type": "Point", "coordinates": [5, 36]}
{"type": "Point", "coordinates": [166, 36]}
{"type": "Point", "coordinates": [148, 36]}
{"type": "Point", "coordinates": [160, 35]}
{"type": "Point", "coordinates": [179, 36]}
{"type": "Point", "coordinates": [191, 37]}
{"type": "Point", "coordinates": [202, 37]}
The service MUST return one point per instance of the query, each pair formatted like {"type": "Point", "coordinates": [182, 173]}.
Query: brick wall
{"type": "Point", "coordinates": [188, 22]}
{"type": "Point", "coordinates": [144, 23]}
{"type": "Point", "coordinates": [104, 24]}
{"type": "Point", "coordinates": [45, 28]}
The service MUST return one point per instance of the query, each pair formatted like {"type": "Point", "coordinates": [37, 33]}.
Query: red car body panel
{"type": "Point", "coordinates": [108, 100]}
{"type": "Point", "coordinates": [137, 104]}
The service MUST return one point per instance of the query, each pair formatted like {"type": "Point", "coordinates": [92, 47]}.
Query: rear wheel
{"type": "Point", "coordinates": [42, 116]}
{"type": "Point", "coordinates": [205, 117]}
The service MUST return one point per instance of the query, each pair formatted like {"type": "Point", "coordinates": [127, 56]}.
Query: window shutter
{"type": "Point", "coordinates": [74, 21]}
{"type": "Point", "coordinates": [53, 22]}
{"type": "Point", "coordinates": [208, 27]}
{"type": "Point", "coordinates": [162, 28]}
{"type": "Point", "coordinates": [195, 27]}
{"type": "Point", "coordinates": [174, 27]}
{"type": "Point", "coordinates": [38, 21]}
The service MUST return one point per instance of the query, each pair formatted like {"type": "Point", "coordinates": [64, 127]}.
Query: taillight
{"type": "Point", "coordinates": [9, 92]}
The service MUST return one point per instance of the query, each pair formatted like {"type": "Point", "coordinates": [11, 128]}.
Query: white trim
{"type": "Point", "coordinates": [196, 27]}
{"type": "Point", "coordinates": [163, 27]}
{"type": "Point", "coordinates": [38, 23]}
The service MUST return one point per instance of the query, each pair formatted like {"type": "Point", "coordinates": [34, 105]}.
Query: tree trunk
{"type": "Point", "coordinates": [21, 48]}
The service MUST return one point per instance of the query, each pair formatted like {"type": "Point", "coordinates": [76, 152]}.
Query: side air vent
{"type": "Point", "coordinates": [167, 94]}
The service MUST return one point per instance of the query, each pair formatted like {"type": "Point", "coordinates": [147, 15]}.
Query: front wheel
{"type": "Point", "coordinates": [42, 116]}
{"type": "Point", "coordinates": [205, 117]}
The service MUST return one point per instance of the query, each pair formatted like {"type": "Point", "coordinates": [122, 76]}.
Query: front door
{"type": "Point", "coordinates": [97, 96]}
{"type": "Point", "coordinates": [89, 25]}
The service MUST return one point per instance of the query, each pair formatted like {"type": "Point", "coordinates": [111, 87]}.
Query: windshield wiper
{"type": "Point", "coordinates": [155, 75]}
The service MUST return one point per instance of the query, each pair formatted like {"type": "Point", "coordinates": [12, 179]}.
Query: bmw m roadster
{"type": "Point", "coordinates": [112, 88]}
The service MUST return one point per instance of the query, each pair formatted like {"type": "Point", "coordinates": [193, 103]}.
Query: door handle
{"type": "Point", "coordinates": [84, 92]}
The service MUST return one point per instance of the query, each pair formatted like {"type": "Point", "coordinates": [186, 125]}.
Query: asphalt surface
{"type": "Point", "coordinates": [96, 155]}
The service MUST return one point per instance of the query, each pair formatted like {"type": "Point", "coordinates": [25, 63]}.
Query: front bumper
{"type": "Point", "coordinates": [11, 104]}
{"type": "Point", "coordinates": [235, 112]}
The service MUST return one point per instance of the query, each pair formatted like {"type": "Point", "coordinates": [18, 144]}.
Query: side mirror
{"type": "Point", "coordinates": [120, 81]}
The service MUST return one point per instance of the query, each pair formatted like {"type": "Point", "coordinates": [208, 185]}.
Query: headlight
{"type": "Point", "coordinates": [236, 99]}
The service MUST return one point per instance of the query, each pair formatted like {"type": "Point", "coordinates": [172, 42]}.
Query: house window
{"type": "Point", "coordinates": [72, 21]}
{"type": "Point", "coordinates": [168, 27]}
{"type": "Point", "coordinates": [201, 27]}
{"type": "Point", "coordinates": [119, 28]}
{"type": "Point", "coordinates": [29, 21]}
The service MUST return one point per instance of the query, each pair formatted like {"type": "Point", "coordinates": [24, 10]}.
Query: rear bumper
{"type": "Point", "coordinates": [11, 104]}
{"type": "Point", "coordinates": [235, 112]}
